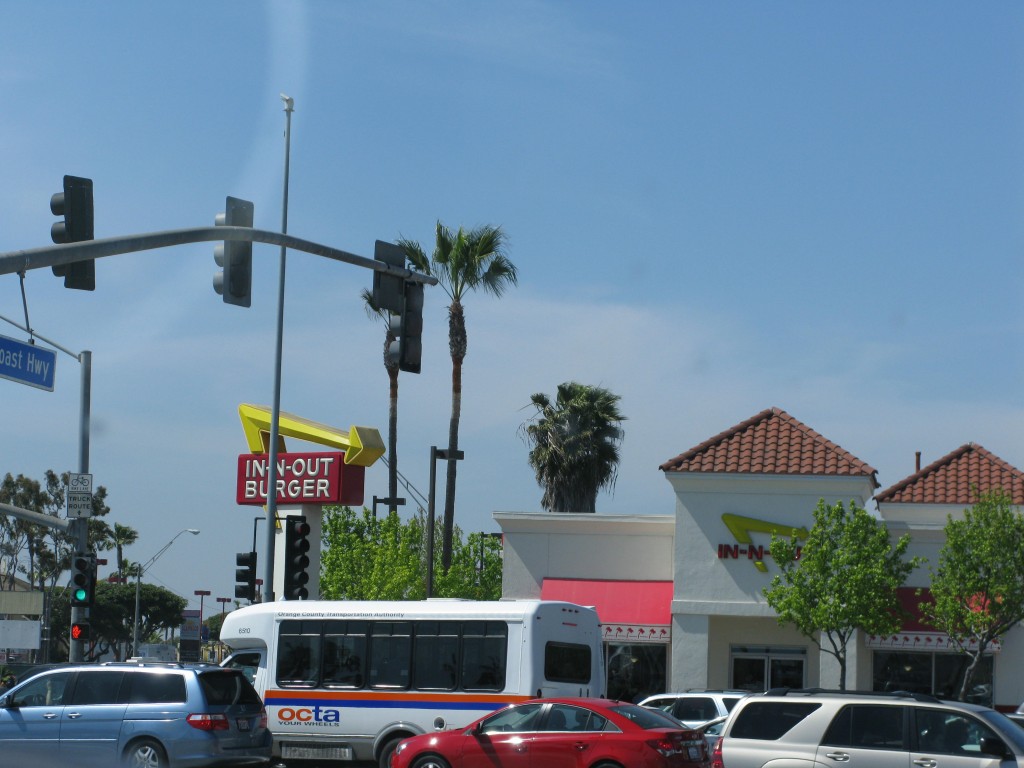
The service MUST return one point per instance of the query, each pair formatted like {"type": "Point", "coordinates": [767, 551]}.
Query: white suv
{"type": "Point", "coordinates": [693, 708]}
{"type": "Point", "coordinates": [881, 730]}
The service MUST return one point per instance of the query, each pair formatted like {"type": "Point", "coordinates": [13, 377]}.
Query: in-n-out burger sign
{"type": "Point", "coordinates": [302, 478]}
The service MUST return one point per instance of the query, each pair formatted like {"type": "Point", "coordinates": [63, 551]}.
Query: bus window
{"type": "Point", "coordinates": [248, 662]}
{"type": "Point", "coordinates": [567, 663]}
{"type": "Point", "coordinates": [390, 646]}
{"type": "Point", "coordinates": [344, 654]}
{"type": "Point", "coordinates": [298, 654]}
{"type": "Point", "coordinates": [436, 655]}
{"type": "Point", "coordinates": [484, 648]}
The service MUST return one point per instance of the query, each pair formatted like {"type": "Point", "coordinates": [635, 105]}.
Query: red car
{"type": "Point", "coordinates": [560, 733]}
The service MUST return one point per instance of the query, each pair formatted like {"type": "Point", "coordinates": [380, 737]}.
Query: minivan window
{"type": "Point", "coordinates": [770, 720]}
{"type": "Point", "coordinates": [99, 686]}
{"type": "Point", "coordinates": [224, 688]}
{"type": "Point", "coordinates": [156, 688]}
{"type": "Point", "coordinates": [45, 690]}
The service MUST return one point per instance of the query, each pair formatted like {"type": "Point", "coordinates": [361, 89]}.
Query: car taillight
{"type": "Point", "coordinates": [205, 722]}
{"type": "Point", "coordinates": [664, 746]}
{"type": "Point", "coordinates": [716, 755]}
{"type": "Point", "coordinates": [263, 718]}
{"type": "Point", "coordinates": [689, 743]}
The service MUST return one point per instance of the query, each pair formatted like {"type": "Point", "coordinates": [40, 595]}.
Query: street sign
{"type": "Point", "coordinates": [27, 363]}
{"type": "Point", "coordinates": [79, 495]}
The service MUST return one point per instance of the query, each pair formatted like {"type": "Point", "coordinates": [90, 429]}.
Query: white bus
{"type": "Point", "coordinates": [349, 680]}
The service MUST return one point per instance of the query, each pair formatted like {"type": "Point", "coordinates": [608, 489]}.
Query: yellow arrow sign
{"type": "Point", "coordinates": [362, 445]}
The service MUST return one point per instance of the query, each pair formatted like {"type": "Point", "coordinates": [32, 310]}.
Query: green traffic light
{"type": "Point", "coordinates": [81, 594]}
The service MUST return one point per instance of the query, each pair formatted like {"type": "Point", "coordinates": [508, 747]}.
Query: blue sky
{"type": "Point", "coordinates": [715, 208]}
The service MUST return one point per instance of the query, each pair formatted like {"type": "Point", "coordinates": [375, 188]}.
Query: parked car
{"type": "Point", "coordinates": [156, 715]}
{"type": "Point", "coordinates": [560, 733]}
{"type": "Point", "coordinates": [825, 728]}
{"type": "Point", "coordinates": [695, 707]}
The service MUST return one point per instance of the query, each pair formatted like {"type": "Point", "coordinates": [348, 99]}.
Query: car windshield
{"type": "Point", "coordinates": [646, 718]}
{"type": "Point", "coordinates": [1006, 727]}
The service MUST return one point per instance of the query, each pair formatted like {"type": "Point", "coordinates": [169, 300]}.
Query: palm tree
{"type": "Point", "coordinates": [461, 262]}
{"type": "Point", "coordinates": [575, 445]}
{"type": "Point", "coordinates": [124, 536]}
{"type": "Point", "coordinates": [373, 311]}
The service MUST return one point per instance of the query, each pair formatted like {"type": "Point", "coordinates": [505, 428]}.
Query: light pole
{"type": "Point", "coordinates": [444, 455]}
{"type": "Point", "coordinates": [138, 582]}
{"type": "Point", "coordinates": [201, 593]}
{"type": "Point", "coordinates": [275, 411]}
{"type": "Point", "coordinates": [223, 602]}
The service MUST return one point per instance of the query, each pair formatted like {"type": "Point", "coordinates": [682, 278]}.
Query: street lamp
{"type": "Point", "coordinates": [223, 601]}
{"type": "Point", "coordinates": [444, 455]}
{"type": "Point", "coordinates": [138, 581]}
{"type": "Point", "coordinates": [201, 593]}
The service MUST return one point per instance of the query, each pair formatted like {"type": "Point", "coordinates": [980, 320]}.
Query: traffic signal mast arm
{"type": "Point", "coordinates": [13, 262]}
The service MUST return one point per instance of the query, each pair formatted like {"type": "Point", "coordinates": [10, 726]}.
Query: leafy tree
{"type": "Point", "coordinates": [112, 617]}
{"type": "Point", "coordinates": [373, 311]}
{"type": "Point", "coordinates": [978, 588]}
{"type": "Point", "coordinates": [575, 445]}
{"type": "Point", "coordinates": [369, 558]}
{"type": "Point", "coordinates": [844, 577]}
{"type": "Point", "coordinates": [463, 261]}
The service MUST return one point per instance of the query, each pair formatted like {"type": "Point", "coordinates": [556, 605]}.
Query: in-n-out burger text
{"type": "Point", "coordinates": [302, 478]}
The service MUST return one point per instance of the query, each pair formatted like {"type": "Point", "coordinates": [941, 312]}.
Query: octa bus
{"type": "Point", "coordinates": [349, 680]}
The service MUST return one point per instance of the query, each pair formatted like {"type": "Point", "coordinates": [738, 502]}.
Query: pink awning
{"type": "Point", "coordinates": [621, 602]}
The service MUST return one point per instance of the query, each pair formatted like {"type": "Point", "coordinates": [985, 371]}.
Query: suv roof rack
{"type": "Point", "coordinates": [925, 697]}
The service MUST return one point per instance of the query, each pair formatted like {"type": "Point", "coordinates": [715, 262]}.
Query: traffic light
{"type": "Point", "coordinates": [245, 575]}
{"type": "Point", "coordinates": [80, 630]}
{"type": "Point", "coordinates": [75, 205]}
{"type": "Point", "coordinates": [83, 580]}
{"type": "Point", "coordinates": [234, 281]}
{"type": "Point", "coordinates": [407, 328]}
{"type": "Point", "coordinates": [296, 561]}
{"type": "Point", "coordinates": [387, 289]}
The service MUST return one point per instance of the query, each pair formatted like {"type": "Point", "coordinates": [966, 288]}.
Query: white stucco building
{"type": "Point", "coordinates": [680, 594]}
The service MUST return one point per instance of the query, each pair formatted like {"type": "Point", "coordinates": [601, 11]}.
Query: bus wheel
{"type": "Point", "coordinates": [430, 761]}
{"type": "Point", "coordinates": [387, 750]}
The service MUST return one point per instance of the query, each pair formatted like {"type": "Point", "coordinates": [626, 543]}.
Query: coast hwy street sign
{"type": "Point", "coordinates": [27, 363]}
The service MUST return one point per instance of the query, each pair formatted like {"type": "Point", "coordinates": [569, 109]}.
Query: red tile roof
{"type": "Point", "coordinates": [958, 478]}
{"type": "Point", "coordinates": [772, 442]}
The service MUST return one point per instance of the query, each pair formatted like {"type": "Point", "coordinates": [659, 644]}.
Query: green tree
{"type": "Point", "coordinates": [373, 311]}
{"type": "Point", "coordinates": [575, 445]}
{"type": "Point", "coordinates": [112, 617]}
{"type": "Point", "coordinates": [369, 558]}
{"type": "Point", "coordinates": [463, 261]}
{"type": "Point", "coordinates": [978, 587]}
{"type": "Point", "coordinates": [844, 577]}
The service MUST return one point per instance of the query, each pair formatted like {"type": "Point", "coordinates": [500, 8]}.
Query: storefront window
{"type": "Point", "coordinates": [636, 671]}
{"type": "Point", "coordinates": [758, 669]}
{"type": "Point", "coordinates": [939, 674]}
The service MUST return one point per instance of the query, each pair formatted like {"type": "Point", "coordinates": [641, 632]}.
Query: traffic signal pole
{"type": "Point", "coordinates": [13, 262]}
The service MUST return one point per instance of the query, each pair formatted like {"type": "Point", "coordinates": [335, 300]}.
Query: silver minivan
{"type": "Point", "coordinates": [157, 715]}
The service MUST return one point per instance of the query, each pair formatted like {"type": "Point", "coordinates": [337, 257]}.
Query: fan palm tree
{"type": "Point", "coordinates": [575, 443]}
{"type": "Point", "coordinates": [373, 311]}
{"type": "Point", "coordinates": [462, 261]}
{"type": "Point", "coordinates": [124, 536]}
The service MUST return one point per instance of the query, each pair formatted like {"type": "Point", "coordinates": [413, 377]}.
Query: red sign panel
{"type": "Point", "coordinates": [302, 478]}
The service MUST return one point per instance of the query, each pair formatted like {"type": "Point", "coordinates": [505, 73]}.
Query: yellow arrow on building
{"type": "Point", "coordinates": [362, 445]}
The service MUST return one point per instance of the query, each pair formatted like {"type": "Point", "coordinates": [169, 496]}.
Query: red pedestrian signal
{"type": "Point", "coordinates": [80, 630]}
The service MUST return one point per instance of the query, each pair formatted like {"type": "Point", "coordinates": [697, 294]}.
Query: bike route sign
{"type": "Point", "coordinates": [27, 363]}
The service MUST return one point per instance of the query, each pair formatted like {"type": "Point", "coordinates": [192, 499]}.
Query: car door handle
{"type": "Point", "coordinates": [49, 716]}
{"type": "Point", "coordinates": [839, 757]}
{"type": "Point", "coordinates": [74, 715]}
{"type": "Point", "coordinates": [581, 745]}
{"type": "Point", "coordinates": [925, 762]}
